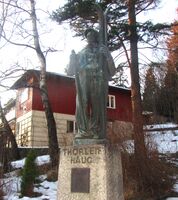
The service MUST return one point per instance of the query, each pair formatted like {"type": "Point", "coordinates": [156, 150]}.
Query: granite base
{"type": "Point", "coordinates": [90, 172]}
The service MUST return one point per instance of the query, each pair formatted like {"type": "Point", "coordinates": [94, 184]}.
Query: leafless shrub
{"type": "Point", "coordinates": [159, 178]}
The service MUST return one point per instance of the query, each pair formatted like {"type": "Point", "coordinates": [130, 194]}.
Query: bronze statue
{"type": "Point", "coordinates": [93, 67]}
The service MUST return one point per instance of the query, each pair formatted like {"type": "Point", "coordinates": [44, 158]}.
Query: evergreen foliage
{"type": "Point", "coordinates": [29, 174]}
{"type": "Point", "coordinates": [161, 97]}
{"type": "Point", "coordinates": [168, 98]}
{"type": "Point", "coordinates": [150, 91]}
{"type": "Point", "coordinates": [120, 79]}
{"type": "Point", "coordinates": [82, 14]}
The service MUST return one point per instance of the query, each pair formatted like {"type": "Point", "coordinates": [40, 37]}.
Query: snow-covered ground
{"type": "Point", "coordinates": [165, 142]}
{"type": "Point", "coordinates": [46, 188]}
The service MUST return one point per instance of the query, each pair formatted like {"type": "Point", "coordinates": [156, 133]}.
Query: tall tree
{"type": "Point", "coordinates": [139, 143]}
{"type": "Point", "coordinates": [24, 16]}
{"type": "Point", "coordinates": [51, 124]}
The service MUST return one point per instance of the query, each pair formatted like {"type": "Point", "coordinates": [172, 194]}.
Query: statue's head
{"type": "Point", "coordinates": [92, 35]}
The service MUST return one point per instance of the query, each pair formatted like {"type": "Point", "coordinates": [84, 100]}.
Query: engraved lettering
{"type": "Point", "coordinates": [92, 151]}
{"type": "Point", "coordinates": [98, 150]}
{"type": "Point", "coordinates": [77, 159]}
{"type": "Point", "coordinates": [75, 151]}
{"type": "Point", "coordinates": [69, 152]}
{"type": "Point", "coordinates": [82, 155]}
{"type": "Point", "coordinates": [86, 151]}
{"type": "Point", "coordinates": [80, 151]}
{"type": "Point", "coordinates": [83, 159]}
{"type": "Point", "coordinates": [72, 160]}
{"type": "Point", "coordinates": [89, 160]}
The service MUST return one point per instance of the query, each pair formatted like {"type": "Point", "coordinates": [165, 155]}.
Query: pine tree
{"type": "Point", "coordinates": [150, 91]}
{"type": "Point", "coordinates": [29, 174]}
{"type": "Point", "coordinates": [168, 98]}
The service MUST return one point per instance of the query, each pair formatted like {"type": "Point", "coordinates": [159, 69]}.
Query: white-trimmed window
{"type": "Point", "coordinates": [24, 95]}
{"type": "Point", "coordinates": [111, 102]}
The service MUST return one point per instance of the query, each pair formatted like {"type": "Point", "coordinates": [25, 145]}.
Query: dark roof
{"type": "Point", "coordinates": [22, 81]}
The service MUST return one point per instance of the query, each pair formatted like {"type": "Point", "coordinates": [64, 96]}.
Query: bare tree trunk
{"type": "Point", "coordinates": [8, 131]}
{"type": "Point", "coordinates": [138, 136]}
{"type": "Point", "coordinates": [51, 124]}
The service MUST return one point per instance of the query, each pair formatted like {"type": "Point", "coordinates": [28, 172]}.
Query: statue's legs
{"type": "Point", "coordinates": [91, 104]}
{"type": "Point", "coordinates": [81, 108]}
{"type": "Point", "coordinates": [98, 91]}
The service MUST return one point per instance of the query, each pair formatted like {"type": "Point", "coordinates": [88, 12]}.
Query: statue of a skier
{"type": "Point", "coordinates": [93, 67]}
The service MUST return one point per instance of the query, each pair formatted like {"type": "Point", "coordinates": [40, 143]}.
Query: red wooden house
{"type": "Point", "coordinates": [31, 128]}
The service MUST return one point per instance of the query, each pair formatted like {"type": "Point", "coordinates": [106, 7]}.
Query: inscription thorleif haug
{"type": "Point", "coordinates": [81, 155]}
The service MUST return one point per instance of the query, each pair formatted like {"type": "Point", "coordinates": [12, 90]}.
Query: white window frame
{"type": "Point", "coordinates": [111, 102]}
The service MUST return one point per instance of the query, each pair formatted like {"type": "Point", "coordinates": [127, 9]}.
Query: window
{"type": "Point", "coordinates": [111, 102]}
{"type": "Point", "coordinates": [25, 125]}
{"type": "Point", "coordinates": [24, 95]}
{"type": "Point", "coordinates": [23, 128]}
{"type": "Point", "coordinates": [71, 127]}
{"type": "Point", "coordinates": [24, 139]}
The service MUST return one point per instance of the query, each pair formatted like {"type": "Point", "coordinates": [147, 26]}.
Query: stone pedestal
{"type": "Point", "coordinates": [90, 172]}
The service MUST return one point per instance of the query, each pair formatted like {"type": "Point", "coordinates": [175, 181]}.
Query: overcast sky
{"type": "Point", "coordinates": [61, 38]}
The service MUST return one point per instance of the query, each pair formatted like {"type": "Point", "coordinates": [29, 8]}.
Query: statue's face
{"type": "Point", "coordinates": [91, 37]}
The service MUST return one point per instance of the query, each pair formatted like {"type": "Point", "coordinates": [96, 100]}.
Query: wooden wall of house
{"type": "Point", "coordinates": [62, 95]}
{"type": "Point", "coordinates": [123, 111]}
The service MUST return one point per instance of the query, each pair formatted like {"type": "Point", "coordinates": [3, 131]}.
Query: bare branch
{"type": "Point", "coordinates": [15, 5]}
{"type": "Point", "coordinates": [17, 44]}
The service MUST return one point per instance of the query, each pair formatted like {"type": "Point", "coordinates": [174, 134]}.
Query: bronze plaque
{"type": "Point", "coordinates": [80, 180]}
